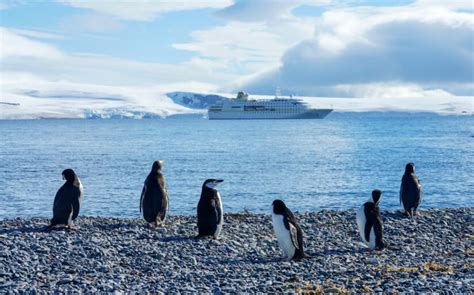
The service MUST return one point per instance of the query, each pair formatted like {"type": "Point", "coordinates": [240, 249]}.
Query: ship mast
{"type": "Point", "coordinates": [277, 92]}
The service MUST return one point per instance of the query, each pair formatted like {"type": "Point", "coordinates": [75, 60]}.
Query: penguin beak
{"type": "Point", "coordinates": [217, 181]}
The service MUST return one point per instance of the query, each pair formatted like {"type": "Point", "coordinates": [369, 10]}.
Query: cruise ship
{"type": "Point", "coordinates": [243, 108]}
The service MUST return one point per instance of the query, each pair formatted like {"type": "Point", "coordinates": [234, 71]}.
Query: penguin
{"type": "Point", "coordinates": [67, 201]}
{"type": "Point", "coordinates": [369, 222]}
{"type": "Point", "coordinates": [210, 215]}
{"type": "Point", "coordinates": [287, 231]}
{"type": "Point", "coordinates": [154, 198]}
{"type": "Point", "coordinates": [411, 191]}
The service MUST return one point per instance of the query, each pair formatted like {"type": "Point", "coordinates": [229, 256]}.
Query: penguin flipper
{"type": "Point", "coordinates": [296, 233]}
{"type": "Point", "coordinates": [378, 230]}
{"type": "Point", "coordinates": [294, 236]}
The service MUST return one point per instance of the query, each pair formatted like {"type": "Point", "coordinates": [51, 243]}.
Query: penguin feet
{"type": "Point", "coordinates": [160, 224]}
{"type": "Point", "coordinates": [152, 225]}
{"type": "Point", "coordinates": [379, 248]}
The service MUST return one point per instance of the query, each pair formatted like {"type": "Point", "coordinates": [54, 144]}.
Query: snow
{"type": "Point", "coordinates": [67, 100]}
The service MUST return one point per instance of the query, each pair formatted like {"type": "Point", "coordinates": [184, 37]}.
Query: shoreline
{"type": "Point", "coordinates": [139, 217]}
{"type": "Point", "coordinates": [431, 253]}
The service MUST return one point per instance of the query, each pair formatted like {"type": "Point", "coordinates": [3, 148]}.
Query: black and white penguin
{"type": "Point", "coordinates": [67, 202]}
{"type": "Point", "coordinates": [411, 191]}
{"type": "Point", "coordinates": [287, 231]}
{"type": "Point", "coordinates": [154, 198]}
{"type": "Point", "coordinates": [210, 215]}
{"type": "Point", "coordinates": [369, 222]}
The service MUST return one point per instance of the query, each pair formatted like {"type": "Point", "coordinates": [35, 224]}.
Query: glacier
{"type": "Point", "coordinates": [140, 104]}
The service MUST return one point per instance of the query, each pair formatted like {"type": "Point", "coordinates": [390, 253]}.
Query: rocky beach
{"type": "Point", "coordinates": [431, 253]}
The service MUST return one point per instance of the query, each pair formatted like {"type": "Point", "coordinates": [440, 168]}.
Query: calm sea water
{"type": "Point", "coordinates": [311, 164]}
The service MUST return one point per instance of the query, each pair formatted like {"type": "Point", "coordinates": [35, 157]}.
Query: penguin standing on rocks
{"type": "Point", "coordinates": [410, 191]}
{"type": "Point", "coordinates": [67, 201]}
{"type": "Point", "coordinates": [287, 231]}
{"type": "Point", "coordinates": [369, 222]}
{"type": "Point", "coordinates": [210, 215]}
{"type": "Point", "coordinates": [154, 198]}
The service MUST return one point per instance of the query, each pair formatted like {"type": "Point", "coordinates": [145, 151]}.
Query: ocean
{"type": "Point", "coordinates": [333, 163]}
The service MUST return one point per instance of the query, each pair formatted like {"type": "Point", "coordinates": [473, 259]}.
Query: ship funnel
{"type": "Point", "coordinates": [242, 95]}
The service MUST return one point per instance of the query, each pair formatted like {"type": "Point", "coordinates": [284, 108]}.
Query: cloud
{"type": "Point", "coordinates": [455, 5]}
{"type": "Point", "coordinates": [263, 10]}
{"type": "Point", "coordinates": [431, 47]}
{"type": "Point", "coordinates": [14, 45]}
{"type": "Point", "coordinates": [90, 22]}
{"type": "Point", "coordinates": [143, 10]}
{"type": "Point", "coordinates": [36, 34]}
{"type": "Point", "coordinates": [20, 54]}
{"type": "Point", "coordinates": [247, 47]}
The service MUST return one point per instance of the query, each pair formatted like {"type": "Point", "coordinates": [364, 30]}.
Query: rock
{"type": "Point", "coordinates": [116, 255]}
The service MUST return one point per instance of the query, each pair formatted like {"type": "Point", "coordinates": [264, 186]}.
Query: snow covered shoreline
{"type": "Point", "coordinates": [78, 105]}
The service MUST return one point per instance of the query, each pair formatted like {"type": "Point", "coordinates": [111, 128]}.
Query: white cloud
{"type": "Point", "coordinates": [23, 54]}
{"type": "Point", "coordinates": [263, 10]}
{"type": "Point", "coordinates": [15, 45]}
{"type": "Point", "coordinates": [456, 4]}
{"type": "Point", "coordinates": [36, 34]}
{"type": "Point", "coordinates": [90, 22]}
{"type": "Point", "coordinates": [244, 48]}
{"type": "Point", "coordinates": [143, 10]}
{"type": "Point", "coordinates": [431, 47]}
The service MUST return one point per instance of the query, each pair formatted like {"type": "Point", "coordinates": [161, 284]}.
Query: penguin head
{"type": "Point", "coordinates": [157, 165]}
{"type": "Point", "coordinates": [376, 196]}
{"type": "Point", "coordinates": [279, 207]}
{"type": "Point", "coordinates": [69, 175]}
{"type": "Point", "coordinates": [410, 168]}
{"type": "Point", "coordinates": [212, 183]}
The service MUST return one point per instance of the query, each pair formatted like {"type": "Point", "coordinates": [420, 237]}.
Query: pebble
{"type": "Point", "coordinates": [117, 255]}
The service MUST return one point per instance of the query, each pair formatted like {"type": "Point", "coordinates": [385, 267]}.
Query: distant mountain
{"type": "Point", "coordinates": [195, 100]}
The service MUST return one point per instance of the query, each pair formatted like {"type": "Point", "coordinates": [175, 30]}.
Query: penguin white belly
{"type": "Point", "coordinates": [69, 219]}
{"type": "Point", "coordinates": [361, 220]}
{"type": "Point", "coordinates": [219, 225]}
{"type": "Point", "coordinates": [372, 239]}
{"type": "Point", "coordinates": [283, 236]}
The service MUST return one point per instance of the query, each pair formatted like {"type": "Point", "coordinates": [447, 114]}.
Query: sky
{"type": "Point", "coordinates": [136, 51]}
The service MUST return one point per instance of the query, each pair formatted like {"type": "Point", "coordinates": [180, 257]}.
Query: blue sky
{"type": "Point", "coordinates": [149, 41]}
{"type": "Point", "coordinates": [307, 47]}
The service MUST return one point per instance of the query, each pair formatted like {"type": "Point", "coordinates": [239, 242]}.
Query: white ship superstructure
{"type": "Point", "coordinates": [277, 108]}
